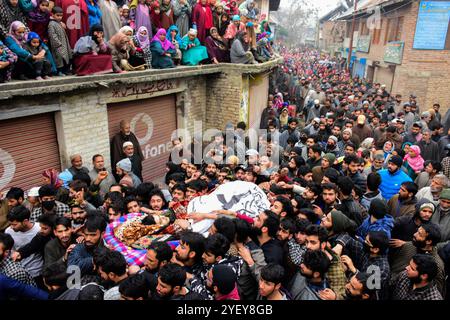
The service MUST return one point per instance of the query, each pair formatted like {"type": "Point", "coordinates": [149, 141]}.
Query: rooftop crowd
{"type": "Point", "coordinates": [358, 184]}
{"type": "Point", "coordinates": [40, 39]}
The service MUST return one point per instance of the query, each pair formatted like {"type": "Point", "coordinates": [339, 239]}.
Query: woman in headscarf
{"type": "Point", "coordinates": [167, 17]}
{"type": "Point", "coordinates": [224, 23]}
{"type": "Point", "coordinates": [121, 52]}
{"type": "Point", "coordinates": [264, 27]}
{"type": "Point", "coordinates": [182, 10]}
{"type": "Point", "coordinates": [155, 14]}
{"type": "Point", "coordinates": [413, 162]}
{"type": "Point", "coordinates": [162, 51]}
{"type": "Point", "coordinates": [39, 18]}
{"type": "Point", "coordinates": [9, 12]}
{"type": "Point", "coordinates": [16, 40]}
{"type": "Point", "coordinates": [127, 30]}
{"type": "Point", "coordinates": [50, 176]}
{"type": "Point", "coordinates": [174, 37]}
{"type": "Point", "coordinates": [92, 55]}
{"type": "Point", "coordinates": [193, 51]}
{"type": "Point", "coordinates": [240, 50]}
{"type": "Point", "coordinates": [140, 14]}
{"type": "Point", "coordinates": [250, 6]}
{"type": "Point", "coordinates": [233, 28]}
{"type": "Point", "coordinates": [110, 19]}
{"type": "Point", "coordinates": [141, 42]}
{"type": "Point", "coordinates": [202, 18]}
{"type": "Point", "coordinates": [217, 49]}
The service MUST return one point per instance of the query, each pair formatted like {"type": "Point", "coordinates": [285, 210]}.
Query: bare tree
{"type": "Point", "coordinates": [297, 19]}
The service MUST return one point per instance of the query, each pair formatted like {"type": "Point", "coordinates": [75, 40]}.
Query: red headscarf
{"type": "Point", "coordinates": [52, 174]}
{"type": "Point", "coordinates": [209, 22]}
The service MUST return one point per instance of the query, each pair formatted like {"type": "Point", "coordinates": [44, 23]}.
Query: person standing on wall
{"type": "Point", "coordinates": [117, 142]}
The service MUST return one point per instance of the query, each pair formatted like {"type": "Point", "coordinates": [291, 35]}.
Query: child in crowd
{"type": "Point", "coordinates": [39, 18]}
{"type": "Point", "coordinates": [7, 60]}
{"type": "Point", "coordinates": [125, 17]}
{"type": "Point", "coordinates": [42, 67]}
{"type": "Point", "coordinates": [59, 42]}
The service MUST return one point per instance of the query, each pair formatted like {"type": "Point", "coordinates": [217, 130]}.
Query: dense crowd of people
{"type": "Point", "coordinates": [358, 185]}
{"type": "Point", "coordinates": [43, 38]}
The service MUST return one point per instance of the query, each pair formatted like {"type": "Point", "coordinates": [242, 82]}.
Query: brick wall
{"type": "Point", "coordinates": [424, 73]}
{"type": "Point", "coordinates": [223, 95]}
{"type": "Point", "coordinates": [82, 127]}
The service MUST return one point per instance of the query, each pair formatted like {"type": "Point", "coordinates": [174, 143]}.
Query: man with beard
{"type": "Point", "coordinates": [10, 268]}
{"type": "Point", "coordinates": [112, 267]}
{"type": "Point", "coordinates": [416, 282]}
{"type": "Point", "coordinates": [47, 197]}
{"type": "Point", "coordinates": [171, 285]}
{"type": "Point", "coordinates": [104, 178]}
{"type": "Point", "coordinates": [346, 139]}
{"type": "Point", "coordinates": [282, 207]}
{"type": "Point", "coordinates": [158, 255]}
{"type": "Point", "coordinates": [368, 256]}
{"type": "Point", "coordinates": [415, 134]}
{"type": "Point", "coordinates": [357, 287]}
{"type": "Point", "coordinates": [315, 156]}
{"type": "Point", "coordinates": [312, 129]}
{"type": "Point", "coordinates": [22, 230]}
{"type": "Point", "coordinates": [265, 229]}
{"type": "Point", "coordinates": [58, 249]}
{"type": "Point", "coordinates": [189, 253]}
{"type": "Point", "coordinates": [429, 149]}
{"type": "Point", "coordinates": [332, 146]}
{"type": "Point", "coordinates": [405, 227]}
{"type": "Point", "coordinates": [392, 177]}
{"type": "Point", "coordinates": [317, 240]}
{"type": "Point", "coordinates": [314, 111]}
{"type": "Point", "coordinates": [125, 174]}
{"type": "Point", "coordinates": [222, 283]}
{"type": "Point", "coordinates": [433, 192]}
{"type": "Point", "coordinates": [359, 180]}
{"type": "Point", "coordinates": [119, 139]}
{"type": "Point", "coordinates": [78, 217]}
{"type": "Point", "coordinates": [404, 203]}
{"type": "Point", "coordinates": [362, 130]}
{"type": "Point", "coordinates": [442, 217]}
{"type": "Point", "coordinates": [319, 171]}
{"type": "Point", "coordinates": [311, 279]}
{"type": "Point", "coordinates": [424, 241]}
{"type": "Point", "coordinates": [82, 254]}
{"type": "Point", "coordinates": [216, 253]}
{"type": "Point", "coordinates": [136, 161]}
{"type": "Point", "coordinates": [211, 171]}
{"type": "Point", "coordinates": [78, 193]}
{"type": "Point", "coordinates": [380, 130]}
{"type": "Point", "coordinates": [425, 177]}
{"type": "Point", "coordinates": [77, 165]}
{"type": "Point", "coordinates": [329, 198]}
{"type": "Point", "coordinates": [270, 288]}
{"type": "Point", "coordinates": [290, 132]}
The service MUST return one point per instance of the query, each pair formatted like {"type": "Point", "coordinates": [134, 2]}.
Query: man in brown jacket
{"type": "Point", "coordinates": [404, 203]}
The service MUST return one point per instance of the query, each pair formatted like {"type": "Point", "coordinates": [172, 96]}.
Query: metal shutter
{"type": "Point", "coordinates": [28, 146]}
{"type": "Point", "coordinates": [160, 111]}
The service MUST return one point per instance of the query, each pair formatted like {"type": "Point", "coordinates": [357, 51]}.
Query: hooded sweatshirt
{"type": "Point", "coordinates": [378, 207]}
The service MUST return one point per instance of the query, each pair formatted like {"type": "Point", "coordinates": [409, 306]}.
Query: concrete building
{"type": "Point", "coordinates": [403, 44]}
{"type": "Point", "coordinates": [42, 123]}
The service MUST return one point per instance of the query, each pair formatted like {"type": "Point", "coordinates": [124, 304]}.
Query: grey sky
{"type": "Point", "coordinates": [324, 6]}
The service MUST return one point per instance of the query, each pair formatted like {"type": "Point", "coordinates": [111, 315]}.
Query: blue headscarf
{"type": "Point", "coordinates": [177, 37]}
{"type": "Point", "coordinates": [32, 35]}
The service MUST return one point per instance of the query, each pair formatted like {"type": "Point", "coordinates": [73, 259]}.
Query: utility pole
{"type": "Point", "coordinates": [350, 49]}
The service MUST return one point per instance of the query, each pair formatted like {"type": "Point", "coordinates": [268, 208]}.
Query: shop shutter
{"type": "Point", "coordinates": [28, 146]}
{"type": "Point", "coordinates": [153, 122]}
